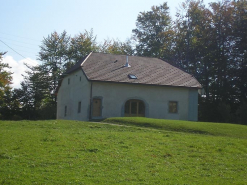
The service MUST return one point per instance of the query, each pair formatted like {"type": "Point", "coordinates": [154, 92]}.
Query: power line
{"type": "Point", "coordinates": [30, 54]}
{"type": "Point", "coordinates": [20, 49]}
{"type": "Point", "coordinates": [18, 41]}
{"type": "Point", "coordinates": [23, 47]}
{"type": "Point", "coordinates": [18, 36]}
{"type": "Point", "coordinates": [15, 51]}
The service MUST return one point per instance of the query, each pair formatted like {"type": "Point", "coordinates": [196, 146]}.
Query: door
{"type": "Point", "coordinates": [97, 107]}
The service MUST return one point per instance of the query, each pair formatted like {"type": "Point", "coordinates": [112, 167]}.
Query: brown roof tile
{"type": "Point", "coordinates": [153, 71]}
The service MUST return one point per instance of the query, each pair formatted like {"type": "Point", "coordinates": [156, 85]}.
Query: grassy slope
{"type": "Point", "coordinates": [216, 129]}
{"type": "Point", "coordinates": [71, 152]}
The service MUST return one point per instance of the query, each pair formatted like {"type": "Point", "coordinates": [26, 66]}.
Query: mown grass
{"type": "Point", "coordinates": [72, 152]}
{"type": "Point", "coordinates": [216, 129]}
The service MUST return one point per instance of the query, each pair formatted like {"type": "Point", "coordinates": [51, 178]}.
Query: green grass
{"type": "Point", "coordinates": [73, 152]}
{"type": "Point", "coordinates": [216, 129]}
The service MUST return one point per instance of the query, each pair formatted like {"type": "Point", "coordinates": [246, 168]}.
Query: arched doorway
{"type": "Point", "coordinates": [134, 108]}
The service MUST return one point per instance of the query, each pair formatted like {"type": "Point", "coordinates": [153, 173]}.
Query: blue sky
{"type": "Point", "coordinates": [24, 23]}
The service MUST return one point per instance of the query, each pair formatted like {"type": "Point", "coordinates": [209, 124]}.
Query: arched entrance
{"type": "Point", "coordinates": [134, 108]}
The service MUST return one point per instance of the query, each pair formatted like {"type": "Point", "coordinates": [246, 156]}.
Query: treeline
{"type": "Point", "coordinates": [209, 42]}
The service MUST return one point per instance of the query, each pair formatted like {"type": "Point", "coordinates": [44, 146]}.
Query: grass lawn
{"type": "Point", "coordinates": [149, 152]}
{"type": "Point", "coordinates": [215, 129]}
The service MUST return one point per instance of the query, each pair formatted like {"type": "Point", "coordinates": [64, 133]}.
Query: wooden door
{"type": "Point", "coordinates": [96, 107]}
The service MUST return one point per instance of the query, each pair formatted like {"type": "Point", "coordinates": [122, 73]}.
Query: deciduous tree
{"type": "Point", "coordinates": [81, 45]}
{"type": "Point", "coordinates": [54, 56]}
{"type": "Point", "coordinates": [5, 88]}
{"type": "Point", "coordinates": [153, 32]}
{"type": "Point", "coordinates": [117, 47]}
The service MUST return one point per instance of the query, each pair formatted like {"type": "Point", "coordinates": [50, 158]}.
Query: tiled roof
{"type": "Point", "coordinates": [76, 66]}
{"type": "Point", "coordinates": [152, 71]}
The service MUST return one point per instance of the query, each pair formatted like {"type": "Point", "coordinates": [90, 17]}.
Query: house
{"type": "Point", "coordinates": [106, 85]}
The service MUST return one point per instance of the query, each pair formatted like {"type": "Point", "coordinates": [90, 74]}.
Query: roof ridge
{"type": "Point", "coordinates": [86, 58]}
{"type": "Point", "coordinates": [126, 54]}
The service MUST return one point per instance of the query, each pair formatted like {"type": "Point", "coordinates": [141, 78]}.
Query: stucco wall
{"type": "Point", "coordinates": [78, 90]}
{"type": "Point", "coordinates": [114, 96]}
{"type": "Point", "coordinates": [193, 105]}
{"type": "Point", "coordinates": [156, 100]}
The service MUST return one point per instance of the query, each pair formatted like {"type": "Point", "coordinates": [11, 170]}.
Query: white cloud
{"type": "Point", "coordinates": [18, 68]}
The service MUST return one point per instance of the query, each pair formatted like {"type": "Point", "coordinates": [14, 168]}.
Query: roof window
{"type": "Point", "coordinates": [131, 76]}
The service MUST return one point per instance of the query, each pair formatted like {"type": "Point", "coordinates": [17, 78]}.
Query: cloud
{"type": "Point", "coordinates": [18, 69]}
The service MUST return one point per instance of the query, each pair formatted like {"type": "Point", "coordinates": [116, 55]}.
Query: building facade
{"type": "Point", "coordinates": [94, 90]}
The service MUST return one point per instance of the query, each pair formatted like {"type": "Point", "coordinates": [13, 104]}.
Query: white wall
{"type": "Point", "coordinates": [114, 96]}
{"type": "Point", "coordinates": [70, 94]}
{"type": "Point", "coordinates": [193, 105]}
{"type": "Point", "coordinates": [156, 99]}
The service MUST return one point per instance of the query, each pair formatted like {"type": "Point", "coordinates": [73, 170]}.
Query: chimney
{"type": "Point", "coordinates": [127, 62]}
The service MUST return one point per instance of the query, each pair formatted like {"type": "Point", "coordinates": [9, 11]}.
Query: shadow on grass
{"type": "Point", "coordinates": [155, 124]}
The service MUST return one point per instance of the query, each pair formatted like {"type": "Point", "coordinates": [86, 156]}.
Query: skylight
{"type": "Point", "coordinates": [131, 76]}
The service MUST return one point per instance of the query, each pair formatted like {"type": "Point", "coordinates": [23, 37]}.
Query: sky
{"type": "Point", "coordinates": [24, 24]}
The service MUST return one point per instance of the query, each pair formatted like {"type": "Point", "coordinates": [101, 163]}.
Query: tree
{"type": "Point", "coordinates": [204, 40]}
{"type": "Point", "coordinates": [223, 43]}
{"type": "Point", "coordinates": [54, 57]}
{"type": "Point", "coordinates": [5, 89]}
{"type": "Point", "coordinates": [35, 96]}
{"type": "Point", "coordinates": [239, 49]}
{"type": "Point", "coordinates": [81, 45]}
{"type": "Point", "coordinates": [37, 92]}
{"type": "Point", "coordinates": [211, 45]}
{"type": "Point", "coordinates": [153, 32]}
{"type": "Point", "coordinates": [5, 76]}
{"type": "Point", "coordinates": [117, 47]}
{"type": "Point", "coordinates": [192, 41]}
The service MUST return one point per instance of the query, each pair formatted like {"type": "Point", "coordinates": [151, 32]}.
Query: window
{"type": "Point", "coordinates": [173, 107]}
{"type": "Point", "coordinates": [131, 76]}
{"type": "Point", "coordinates": [68, 81]}
{"type": "Point", "coordinates": [65, 111]}
{"type": "Point", "coordinates": [80, 78]}
{"type": "Point", "coordinates": [79, 107]}
{"type": "Point", "coordinates": [134, 108]}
